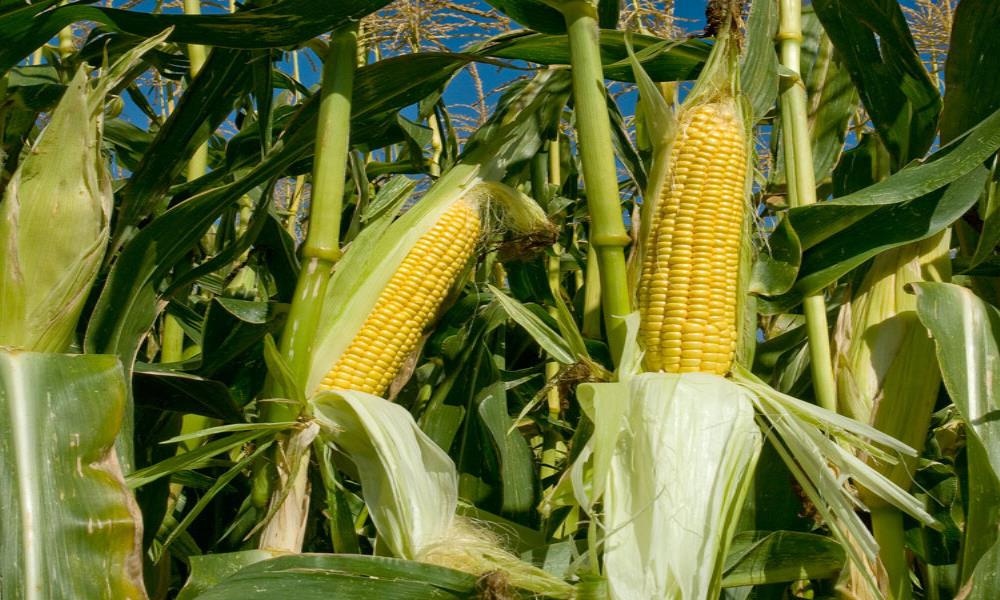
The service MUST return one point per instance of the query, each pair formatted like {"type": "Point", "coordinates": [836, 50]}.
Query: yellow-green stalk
{"type": "Point", "coordinates": [607, 237]}
{"type": "Point", "coordinates": [172, 340]}
{"type": "Point", "coordinates": [321, 249]}
{"type": "Point", "coordinates": [802, 189]}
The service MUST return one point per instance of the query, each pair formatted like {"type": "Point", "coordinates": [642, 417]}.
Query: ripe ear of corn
{"type": "Point", "coordinates": [689, 285]}
{"type": "Point", "coordinates": [407, 304]}
{"type": "Point", "coordinates": [387, 290]}
{"type": "Point", "coordinates": [414, 260]}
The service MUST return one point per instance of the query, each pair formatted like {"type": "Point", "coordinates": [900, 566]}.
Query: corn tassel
{"type": "Point", "coordinates": [407, 304]}
{"type": "Point", "coordinates": [688, 290]}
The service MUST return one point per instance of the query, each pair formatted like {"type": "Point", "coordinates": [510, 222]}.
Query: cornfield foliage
{"type": "Point", "coordinates": [499, 299]}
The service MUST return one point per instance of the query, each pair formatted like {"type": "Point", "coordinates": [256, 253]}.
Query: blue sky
{"type": "Point", "coordinates": [461, 90]}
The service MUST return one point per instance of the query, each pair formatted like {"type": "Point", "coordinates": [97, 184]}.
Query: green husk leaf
{"type": "Point", "coordinates": [54, 221]}
{"type": "Point", "coordinates": [887, 371]}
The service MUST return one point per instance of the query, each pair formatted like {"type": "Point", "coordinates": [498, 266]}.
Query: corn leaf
{"type": "Point", "coordinates": [69, 528]}
{"type": "Point", "coordinates": [966, 333]}
{"type": "Point", "coordinates": [549, 340]}
{"type": "Point", "coordinates": [324, 576]}
{"type": "Point", "coordinates": [889, 227]}
{"type": "Point", "coordinates": [884, 64]}
{"type": "Point", "coordinates": [972, 82]}
{"type": "Point", "coordinates": [281, 24]}
{"type": "Point", "coordinates": [663, 61]}
{"type": "Point", "coordinates": [209, 569]}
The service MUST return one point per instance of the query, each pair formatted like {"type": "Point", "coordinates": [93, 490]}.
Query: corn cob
{"type": "Point", "coordinates": [689, 283]}
{"type": "Point", "coordinates": [407, 304]}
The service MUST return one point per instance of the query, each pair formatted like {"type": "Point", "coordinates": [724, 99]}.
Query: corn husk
{"type": "Point", "coordinates": [410, 487]}
{"type": "Point", "coordinates": [54, 227]}
{"type": "Point", "coordinates": [820, 448]}
{"type": "Point", "coordinates": [669, 456]}
{"type": "Point", "coordinates": [887, 372]}
{"type": "Point", "coordinates": [54, 222]}
{"type": "Point", "coordinates": [410, 484]}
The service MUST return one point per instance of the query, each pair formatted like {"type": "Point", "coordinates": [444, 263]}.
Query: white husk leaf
{"type": "Point", "coordinates": [676, 453]}
{"type": "Point", "coordinates": [410, 485]}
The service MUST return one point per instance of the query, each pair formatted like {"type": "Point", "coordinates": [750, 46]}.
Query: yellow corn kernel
{"type": "Point", "coordinates": [690, 272]}
{"type": "Point", "coordinates": [407, 304]}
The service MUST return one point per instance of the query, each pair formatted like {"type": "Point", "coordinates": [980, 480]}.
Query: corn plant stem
{"type": "Point", "coordinates": [321, 249]}
{"type": "Point", "coordinates": [540, 177]}
{"type": "Point", "coordinates": [802, 191]}
{"type": "Point", "coordinates": [608, 236]}
{"type": "Point", "coordinates": [887, 526]}
{"type": "Point", "coordinates": [300, 180]}
{"type": "Point", "coordinates": [320, 252]}
{"type": "Point", "coordinates": [591, 326]}
{"type": "Point", "coordinates": [197, 54]}
{"type": "Point", "coordinates": [196, 167]}
{"type": "Point", "coordinates": [66, 45]}
{"type": "Point", "coordinates": [338, 514]}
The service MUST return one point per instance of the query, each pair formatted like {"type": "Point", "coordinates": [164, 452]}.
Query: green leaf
{"type": "Point", "coordinates": [209, 569]}
{"type": "Point", "coordinates": [777, 264]}
{"type": "Point", "coordinates": [532, 14]}
{"type": "Point", "coordinates": [874, 41]}
{"type": "Point", "coordinates": [217, 486]}
{"type": "Point", "coordinates": [663, 61]}
{"type": "Point", "coordinates": [202, 455]}
{"type": "Point", "coordinates": [278, 24]}
{"type": "Point", "coordinates": [68, 526]}
{"type": "Point", "coordinates": [761, 557]}
{"type": "Point", "coordinates": [549, 340]}
{"type": "Point", "coordinates": [889, 227]}
{"type": "Point", "coordinates": [232, 327]}
{"type": "Point", "coordinates": [966, 333]}
{"type": "Point", "coordinates": [985, 579]}
{"type": "Point", "coordinates": [517, 469]}
{"type": "Point", "coordinates": [205, 104]}
{"type": "Point", "coordinates": [972, 77]}
{"type": "Point", "coordinates": [164, 389]}
{"type": "Point", "coordinates": [820, 221]}
{"type": "Point", "coordinates": [325, 576]}
{"type": "Point", "coordinates": [128, 304]}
